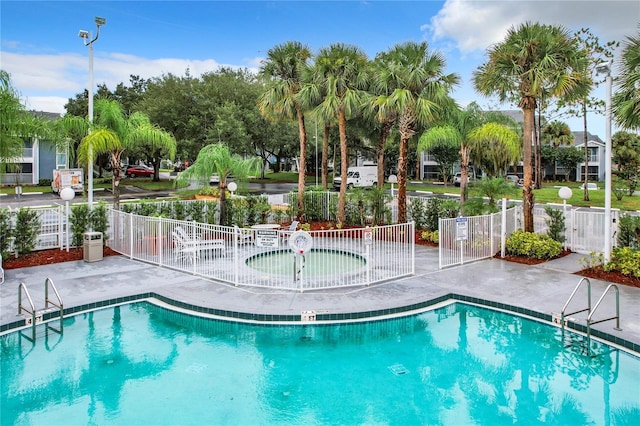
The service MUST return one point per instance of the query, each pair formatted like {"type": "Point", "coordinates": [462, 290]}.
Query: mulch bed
{"type": "Point", "coordinates": [48, 257]}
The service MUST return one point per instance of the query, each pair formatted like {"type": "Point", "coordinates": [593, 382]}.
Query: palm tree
{"type": "Point", "coordinates": [533, 60]}
{"type": "Point", "coordinates": [415, 89]}
{"type": "Point", "coordinates": [217, 159]}
{"type": "Point", "coordinates": [455, 131]}
{"type": "Point", "coordinates": [626, 102]}
{"type": "Point", "coordinates": [17, 124]}
{"type": "Point", "coordinates": [494, 146]}
{"type": "Point", "coordinates": [283, 67]}
{"type": "Point", "coordinates": [385, 119]}
{"type": "Point", "coordinates": [557, 134]}
{"type": "Point", "coordinates": [336, 83]}
{"type": "Point", "coordinates": [113, 133]}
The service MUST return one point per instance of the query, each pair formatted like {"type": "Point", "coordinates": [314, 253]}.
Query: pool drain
{"type": "Point", "coordinates": [398, 369]}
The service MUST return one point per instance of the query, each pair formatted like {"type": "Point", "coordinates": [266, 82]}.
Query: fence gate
{"type": "Point", "coordinates": [467, 239]}
{"type": "Point", "coordinates": [587, 231]}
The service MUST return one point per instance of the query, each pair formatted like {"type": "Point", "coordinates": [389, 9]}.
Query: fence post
{"type": "Point", "coordinates": [130, 235]}
{"type": "Point", "coordinates": [160, 239]}
{"type": "Point", "coordinates": [503, 228]}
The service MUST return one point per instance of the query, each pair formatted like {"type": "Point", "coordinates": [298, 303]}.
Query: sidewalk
{"type": "Point", "coordinates": [539, 290]}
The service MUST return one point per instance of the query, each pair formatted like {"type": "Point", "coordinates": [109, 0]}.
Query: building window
{"type": "Point", "coordinates": [593, 155]}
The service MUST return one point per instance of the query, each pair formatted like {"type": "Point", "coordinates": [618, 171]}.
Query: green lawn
{"type": "Point", "coordinates": [547, 194]}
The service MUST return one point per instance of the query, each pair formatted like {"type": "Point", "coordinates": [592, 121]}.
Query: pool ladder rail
{"type": "Point", "coordinates": [563, 318]}
{"type": "Point", "coordinates": [33, 317]}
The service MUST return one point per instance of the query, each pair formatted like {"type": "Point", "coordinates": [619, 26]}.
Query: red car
{"type": "Point", "coordinates": [134, 171]}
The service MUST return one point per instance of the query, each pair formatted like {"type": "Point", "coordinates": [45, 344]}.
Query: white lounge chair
{"type": "Point", "coordinates": [243, 235]}
{"type": "Point", "coordinates": [191, 248]}
{"type": "Point", "coordinates": [286, 234]}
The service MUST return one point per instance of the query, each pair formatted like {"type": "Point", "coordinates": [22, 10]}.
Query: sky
{"type": "Point", "coordinates": [49, 63]}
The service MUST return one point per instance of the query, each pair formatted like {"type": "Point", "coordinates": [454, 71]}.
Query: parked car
{"type": "Point", "coordinates": [515, 179]}
{"type": "Point", "coordinates": [135, 171]}
{"type": "Point", "coordinates": [590, 186]}
{"type": "Point", "coordinates": [457, 178]}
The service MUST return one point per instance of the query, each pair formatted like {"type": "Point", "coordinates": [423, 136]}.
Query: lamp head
{"type": "Point", "coordinates": [603, 68]}
{"type": "Point", "coordinates": [83, 34]}
{"type": "Point", "coordinates": [100, 21]}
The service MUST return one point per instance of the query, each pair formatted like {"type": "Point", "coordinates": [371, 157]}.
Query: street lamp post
{"type": "Point", "coordinates": [88, 41]}
{"type": "Point", "coordinates": [605, 68]}
{"type": "Point", "coordinates": [67, 195]}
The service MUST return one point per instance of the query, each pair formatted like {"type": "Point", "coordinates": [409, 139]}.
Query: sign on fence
{"type": "Point", "coordinates": [266, 238]}
{"type": "Point", "coordinates": [462, 229]}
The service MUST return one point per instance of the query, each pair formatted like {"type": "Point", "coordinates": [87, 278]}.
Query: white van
{"type": "Point", "coordinates": [363, 176]}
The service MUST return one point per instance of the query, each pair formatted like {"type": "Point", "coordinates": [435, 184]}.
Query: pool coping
{"type": "Point", "coordinates": [535, 291]}
{"type": "Point", "coordinates": [320, 317]}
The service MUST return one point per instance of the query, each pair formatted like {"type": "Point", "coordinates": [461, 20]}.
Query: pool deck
{"type": "Point", "coordinates": [542, 288]}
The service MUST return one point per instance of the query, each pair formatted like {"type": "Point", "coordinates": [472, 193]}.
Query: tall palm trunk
{"type": "Point", "coordinates": [528, 107]}
{"type": "Point", "coordinates": [407, 121]}
{"type": "Point", "coordinates": [325, 156]}
{"type": "Point", "coordinates": [302, 167]}
{"type": "Point", "coordinates": [223, 200]}
{"type": "Point", "coordinates": [384, 134]}
{"type": "Point", "coordinates": [464, 172]}
{"type": "Point", "coordinates": [344, 165]}
{"type": "Point", "coordinates": [117, 177]}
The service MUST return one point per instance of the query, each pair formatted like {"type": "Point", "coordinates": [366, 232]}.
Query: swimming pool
{"type": "Point", "coordinates": [460, 364]}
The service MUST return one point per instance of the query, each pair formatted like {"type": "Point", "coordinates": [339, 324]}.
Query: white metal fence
{"type": "Point", "coordinates": [339, 258]}
{"type": "Point", "coordinates": [467, 239]}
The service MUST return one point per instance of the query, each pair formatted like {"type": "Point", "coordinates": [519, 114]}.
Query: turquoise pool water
{"type": "Point", "coordinates": [316, 262]}
{"type": "Point", "coordinates": [461, 364]}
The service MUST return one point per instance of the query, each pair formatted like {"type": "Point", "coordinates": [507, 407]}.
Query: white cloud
{"type": "Point", "coordinates": [476, 24]}
{"type": "Point", "coordinates": [46, 82]}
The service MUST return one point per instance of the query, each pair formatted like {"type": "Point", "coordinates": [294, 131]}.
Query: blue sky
{"type": "Point", "coordinates": [48, 62]}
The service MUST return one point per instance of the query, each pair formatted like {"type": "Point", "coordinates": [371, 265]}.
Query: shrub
{"type": "Point", "coordinates": [44, 182]}
{"type": "Point", "coordinates": [79, 223]}
{"type": "Point", "coordinates": [432, 213]}
{"type": "Point", "coordinates": [99, 221]}
{"type": "Point", "coordinates": [432, 236]}
{"type": "Point", "coordinates": [418, 213]}
{"type": "Point", "coordinates": [624, 260]}
{"type": "Point", "coordinates": [532, 245]}
{"type": "Point", "coordinates": [556, 224]}
{"type": "Point", "coordinates": [629, 231]}
{"type": "Point", "coordinates": [26, 231]}
{"type": "Point", "coordinates": [6, 232]}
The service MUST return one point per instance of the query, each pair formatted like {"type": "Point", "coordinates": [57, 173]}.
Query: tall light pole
{"type": "Point", "coordinates": [605, 68]}
{"type": "Point", "coordinates": [88, 41]}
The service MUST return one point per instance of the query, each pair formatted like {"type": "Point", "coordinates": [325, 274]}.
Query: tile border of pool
{"type": "Point", "coordinates": [320, 316]}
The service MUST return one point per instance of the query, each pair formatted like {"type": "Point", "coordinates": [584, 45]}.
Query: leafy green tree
{"type": "Point", "coordinates": [548, 156]}
{"type": "Point", "coordinates": [569, 158]}
{"type": "Point", "coordinates": [581, 102]}
{"type": "Point", "coordinates": [283, 68]}
{"type": "Point", "coordinates": [416, 90]}
{"type": "Point", "coordinates": [446, 154]}
{"type": "Point", "coordinates": [626, 154]}
{"type": "Point", "coordinates": [217, 159]}
{"type": "Point", "coordinates": [557, 134]}
{"type": "Point", "coordinates": [532, 60]}
{"type": "Point", "coordinates": [626, 101]}
{"type": "Point", "coordinates": [336, 83]}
